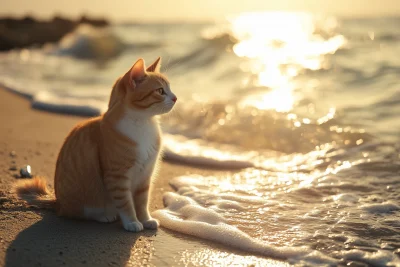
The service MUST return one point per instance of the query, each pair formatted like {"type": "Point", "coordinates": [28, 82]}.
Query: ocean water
{"type": "Point", "coordinates": [305, 108]}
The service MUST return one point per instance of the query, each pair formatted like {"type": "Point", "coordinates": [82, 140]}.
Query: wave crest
{"type": "Point", "coordinates": [87, 42]}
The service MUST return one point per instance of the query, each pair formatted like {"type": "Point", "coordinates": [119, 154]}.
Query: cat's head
{"type": "Point", "coordinates": [145, 91]}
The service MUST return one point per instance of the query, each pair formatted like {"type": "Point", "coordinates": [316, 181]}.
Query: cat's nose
{"type": "Point", "coordinates": [174, 99]}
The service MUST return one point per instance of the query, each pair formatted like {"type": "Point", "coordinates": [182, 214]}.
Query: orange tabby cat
{"type": "Point", "coordinates": [105, 165]}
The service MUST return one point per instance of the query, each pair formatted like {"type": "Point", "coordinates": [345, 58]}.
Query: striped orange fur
{"type": "Point", "coordinates": [106, 164]}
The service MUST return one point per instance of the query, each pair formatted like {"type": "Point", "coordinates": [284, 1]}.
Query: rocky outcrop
{"type": "Point", "coordinates": [28, 31]}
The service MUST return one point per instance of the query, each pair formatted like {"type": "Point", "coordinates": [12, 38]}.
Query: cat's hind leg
{"type": "Point", "coordinates": [100, 214]}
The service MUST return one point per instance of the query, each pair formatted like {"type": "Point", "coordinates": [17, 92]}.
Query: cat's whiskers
{"type": "Point", "coordinates": [167, 65]}
{"type": "Point", "coordinates": [175, 113]}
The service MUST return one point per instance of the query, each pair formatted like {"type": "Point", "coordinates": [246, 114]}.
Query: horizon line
{"type": "Point", "coordinates": [175, 19]}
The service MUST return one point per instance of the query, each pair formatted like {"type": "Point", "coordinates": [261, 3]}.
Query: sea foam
{"type": "Point", "coordinates": [379, 258]}
{"type": "Point", "coordinates": [183, 214]}
{"type": "Point", "coordinates": [233, 210]}
{"type": "Point", "coordinates": [385, 207]}
{"type": "Point", "coordinates": [48, 101]}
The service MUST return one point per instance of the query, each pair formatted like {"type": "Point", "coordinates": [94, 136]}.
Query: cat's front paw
{"type": "Point", "coordinates": [133, 226]}
{"type": "Point", "coordinates": [151, 224]}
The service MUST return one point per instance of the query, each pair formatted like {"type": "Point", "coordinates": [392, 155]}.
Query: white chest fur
{"type": "Point", "coordinates": [145, 133]}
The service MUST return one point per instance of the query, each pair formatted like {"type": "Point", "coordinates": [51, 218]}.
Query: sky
{"type": "Point", "coordinates": [123, 10]}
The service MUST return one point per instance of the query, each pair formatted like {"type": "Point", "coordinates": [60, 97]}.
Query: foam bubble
{"type": "Point", "coordinates": [227, 204]}
{"type": "Point", "coordinates": [197, 187]}
{"type": "Point", "coordinates": [379, 258]}
{"type": "Point", "coordinates": [346, 197]}
{"type": "Point", "coordinates": [358, 241]}
{"type": "Point", "coordinates": [385, 207]}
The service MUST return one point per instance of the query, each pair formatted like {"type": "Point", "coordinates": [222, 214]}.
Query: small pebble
{"type": "Point", "coordinates": [13, 153]}
{"type": "Point", "coordinates": [13, 168]}
{"type": "Point", "coordinates": [26, 172]}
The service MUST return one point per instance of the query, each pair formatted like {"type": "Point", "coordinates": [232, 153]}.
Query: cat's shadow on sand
{"type": "Point", "coordinates": [55, 241]}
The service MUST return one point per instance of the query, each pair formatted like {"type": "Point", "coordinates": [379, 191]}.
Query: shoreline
{"type": "Point", "coordinates": [37, 237]}
{"type": "Point", "coordinates": [27, 31]}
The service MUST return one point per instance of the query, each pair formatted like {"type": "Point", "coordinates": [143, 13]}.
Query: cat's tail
{"type": "Point", "coordinates": [35, 192]}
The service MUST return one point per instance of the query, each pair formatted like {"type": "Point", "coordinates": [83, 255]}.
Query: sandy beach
{"type": "Point", "coordinates": [35, 237]}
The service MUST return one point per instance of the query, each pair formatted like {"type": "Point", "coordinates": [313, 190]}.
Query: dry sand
{"type": "Point", "coordinates": [36, 237]}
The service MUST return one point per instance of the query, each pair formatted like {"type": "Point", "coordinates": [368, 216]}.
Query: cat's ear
{"type": "Point", "coordinates": [155, 67]}
{"type": "Point", "coordinates": [137, 71]}
{"type": "Point", "coordinates": [135, 74]}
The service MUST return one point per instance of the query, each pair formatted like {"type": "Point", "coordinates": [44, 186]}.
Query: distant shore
{"type": "Point", "coordinates": [28, 31]}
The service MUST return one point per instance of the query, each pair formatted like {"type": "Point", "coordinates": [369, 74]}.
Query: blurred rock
{"type": "Point", "coordinates": [27, 31]}
{"type": "Point", "coordinates": [93, 22]}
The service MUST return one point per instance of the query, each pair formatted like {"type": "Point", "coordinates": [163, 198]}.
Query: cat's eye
{"type": "Point", "coordinates": [161, 91]}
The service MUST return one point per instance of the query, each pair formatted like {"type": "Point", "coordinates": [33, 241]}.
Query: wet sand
{"type": "Point", "coordinates": [35, 237]}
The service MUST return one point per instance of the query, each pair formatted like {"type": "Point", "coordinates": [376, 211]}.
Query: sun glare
{"type": "Point", "coordinates": [279, 45]}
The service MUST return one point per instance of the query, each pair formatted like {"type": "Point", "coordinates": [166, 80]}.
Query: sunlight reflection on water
{"type": "Point", "coordinates": [279, 46]}
{"type": "Point", "coordinates": [209, 257]}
